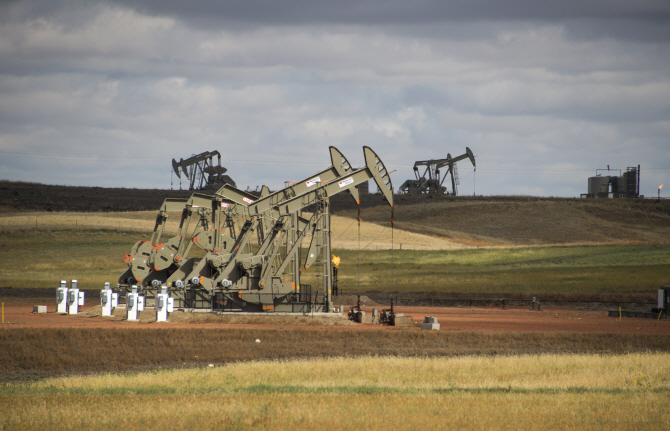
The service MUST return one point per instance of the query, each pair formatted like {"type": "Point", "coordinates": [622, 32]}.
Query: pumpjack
{"type": "Point", "coordinates": [244, 279]}
{"type": "Point", "coordinates": [429, 181]}
{"type": "Point", "coordinates": [201, 171]}
{"type": "Point", "coordinates": [235, 274]}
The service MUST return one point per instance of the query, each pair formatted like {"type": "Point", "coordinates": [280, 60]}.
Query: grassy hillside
{"type": "Point", "coordinates": [528, 221]}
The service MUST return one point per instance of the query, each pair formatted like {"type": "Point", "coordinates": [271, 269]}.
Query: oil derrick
{"type": "Point", "coordinates": [201, 171]}
{"type": "Point", "coordinates": [430, 180]}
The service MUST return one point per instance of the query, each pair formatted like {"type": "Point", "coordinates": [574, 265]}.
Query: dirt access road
{"type": "Point", "coordinates": [550, 319]}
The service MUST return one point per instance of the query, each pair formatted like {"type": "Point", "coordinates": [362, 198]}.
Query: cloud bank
{"type": "Point", "coordinates": [544, 93]}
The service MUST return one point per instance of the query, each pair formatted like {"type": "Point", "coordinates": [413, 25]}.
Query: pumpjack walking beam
{"type": "Point", "coordinates": [374, 170]}
{"type": "Point", "coordinates": [263, 207]}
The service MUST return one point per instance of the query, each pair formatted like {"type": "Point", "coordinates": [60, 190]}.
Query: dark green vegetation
{"type": "Point", "coordinates": [600, 269]}
{"type": "Point", "coordinates": [22, 196]}
{"type": "Point", "coordinates": [36, 353]}
{"type": "Point", "coordinates": [41, 258]}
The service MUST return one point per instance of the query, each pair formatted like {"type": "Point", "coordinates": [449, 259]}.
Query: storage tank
{"type": "Point", "coordinates": [598, 185]}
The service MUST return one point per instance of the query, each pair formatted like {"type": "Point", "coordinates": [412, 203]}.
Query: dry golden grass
{"type": "Point", "coordinates": [526, 392]}
{"type": "Point", "coordinates": [138, 221]}
{"type": "Point", "coordinates": [345, 233]}
{"type": "Point", "coordinates": [455, 411]}
{"type": "Point", "coordinates": [530, 221]}
{"type": "Point", "coordinates": [36, 353]}
{"type": "Point", "coordinates": [629, 371]}
{"type": "Point", "coordinates": [378, 237]}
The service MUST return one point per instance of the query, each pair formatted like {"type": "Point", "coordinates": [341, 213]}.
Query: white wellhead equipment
{"type": "Point", "coordinates": [134, 304]}
{"type": "Point", "coordinates": [75, 298]}
{"type": "Point", "coordinates": [108, 300]}
{"type": "Point", "coordinates": [164, 305]}
{"type": "Point", "coordinates": [61, 297]}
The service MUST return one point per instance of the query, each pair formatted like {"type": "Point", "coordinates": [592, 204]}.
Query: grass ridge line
{"type": "Point", "coordinates": [14, 390]}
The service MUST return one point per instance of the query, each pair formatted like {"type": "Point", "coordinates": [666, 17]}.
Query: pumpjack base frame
{"type": "Point", "coordinates": [253, 313]}
{"type": "Point", "coordinates": [201, 299]}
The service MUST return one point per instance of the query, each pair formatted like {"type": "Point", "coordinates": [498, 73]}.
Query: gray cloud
{"type": "Point", "coordinates": [543, 92]}
{"type": "Point", "coordinates": [399, 11]}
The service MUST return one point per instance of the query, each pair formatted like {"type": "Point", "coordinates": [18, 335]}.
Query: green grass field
{"type": "Point", "coordinates": [514, 392]}
{"type": "Point", "coordinates": [528, 270]}
{"type": "Point", "coordinates": [41, 258]}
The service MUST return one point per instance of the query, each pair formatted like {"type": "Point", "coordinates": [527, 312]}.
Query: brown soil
{"type": "Point", "coordinates": [36, 346]}
{"type": "Point", "coordinates": [550, 319]}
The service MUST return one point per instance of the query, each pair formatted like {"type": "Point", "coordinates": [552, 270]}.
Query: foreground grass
{"type": "Point", "coordinates": [31, 353]}
{"type": "Point", "coordinates": [530, 270]}
{"type": "Point", "coordinates": [517, 392]}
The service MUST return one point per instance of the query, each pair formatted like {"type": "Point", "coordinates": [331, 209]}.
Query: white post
{"type": "Point", "coordinates": [106, 300]}
{"type": "Point", "coordinates": [164, 305]}
{"type": "Point", "coordinates": [132, 305]}
{"type": "Point", "coordinates": [73, 300]}
{"type": "Point", "coordinates": [61, 297]}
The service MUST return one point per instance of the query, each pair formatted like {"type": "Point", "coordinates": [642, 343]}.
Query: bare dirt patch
{"type": "Point", "coordinates": [518, 319]}
{"type": "Point", "coordinates": [42, 345]}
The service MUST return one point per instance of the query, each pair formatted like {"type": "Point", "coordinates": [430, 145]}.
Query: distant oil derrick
{"type": "Point", "coordinates": [201, 171]}
{"type": "Point", "coordinates": [431, 180]}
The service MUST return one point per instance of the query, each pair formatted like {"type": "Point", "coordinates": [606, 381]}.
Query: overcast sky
{"type": "Point", "coordinates": [543, 92]}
